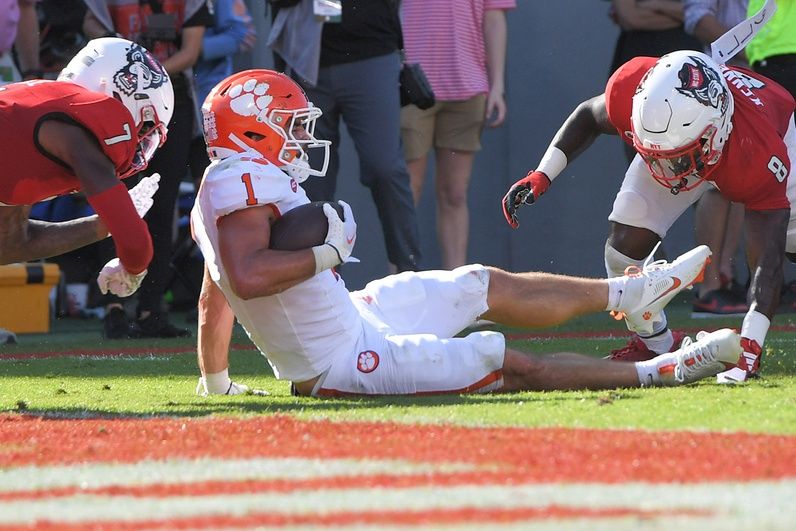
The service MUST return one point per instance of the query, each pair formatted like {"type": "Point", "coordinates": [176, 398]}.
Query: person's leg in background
{"type": "Point", "coordinates": [171, 161]}
{"type": "Point", "coordinates": [417, 138]}
{"type": "Point", "coordinates": [368, 96]}
{"type": "Point", "coordinates": [457, 139]}
{"type": "Point", "coordinates": [718, 225]}
{"type": "Point", "coordinates": [327, 127]}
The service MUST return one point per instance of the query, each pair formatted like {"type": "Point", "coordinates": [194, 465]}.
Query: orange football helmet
{"type": "Point", "coordinates": [265, 113]}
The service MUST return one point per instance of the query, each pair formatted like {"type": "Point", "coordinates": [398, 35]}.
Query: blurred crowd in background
{"type": "Point", "coordinates": [348, 57]}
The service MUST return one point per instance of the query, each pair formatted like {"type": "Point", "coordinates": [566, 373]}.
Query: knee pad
{"type": "Point", "coordinates": [616, 262]}
{"type": "Point", "coordinates": [630, 208]}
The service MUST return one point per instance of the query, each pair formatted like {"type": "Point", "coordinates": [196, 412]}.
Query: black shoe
{"type": "Point", "coordinates": [718, 303]}
{"type": "Point", "coordinates": [158, 325]}
{"type": "Point", "coordinates": [116, 325]}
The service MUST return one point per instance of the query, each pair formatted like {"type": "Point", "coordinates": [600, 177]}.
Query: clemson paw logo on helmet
{"type": "Point", "coordinates": [367, 361]}
{"type": "Point", "coordinates": [250, 98]}
{"type": "Point", "coordinates": [647, 316]}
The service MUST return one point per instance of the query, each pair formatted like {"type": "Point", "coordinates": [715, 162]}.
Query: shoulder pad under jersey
{"type": "Point", "coordinates": [244, 182]}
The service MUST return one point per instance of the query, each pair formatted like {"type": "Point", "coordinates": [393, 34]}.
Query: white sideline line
{"type": "Point", "coordinates": [764, 504]}
{"type": "Point", "coordinates": [176, 471]}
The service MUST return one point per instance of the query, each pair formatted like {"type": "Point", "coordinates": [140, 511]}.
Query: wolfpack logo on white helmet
{"type": "Point", "coordinates": [127, 72]}
{"type": "Point", "coordinates": [681, 118]}
{"type": "Point", "coordinates": [704, 84]}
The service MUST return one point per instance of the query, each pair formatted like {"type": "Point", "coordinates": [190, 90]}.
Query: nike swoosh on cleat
{"type": "Point", "coordinates": [350, 240]}
{"type": "Point", "coordinates": [676, 285]}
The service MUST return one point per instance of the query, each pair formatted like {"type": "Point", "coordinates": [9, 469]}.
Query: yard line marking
{"type": "Point", "coordinates": [176, 471]}
{"type": "Point", "coordinates": [706, 498]}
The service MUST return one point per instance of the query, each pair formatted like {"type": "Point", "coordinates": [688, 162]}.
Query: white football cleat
{"type": "Point", "coordinates": [661, 282]}
{"type": "Point", "coordinates": [735, 375]}
{"type": "Point", "coordinates": [709, 355]}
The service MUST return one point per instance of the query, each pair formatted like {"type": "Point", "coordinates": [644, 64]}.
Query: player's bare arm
{"type": "Point", "coordinates": [22, 239]}
{"type": "Point", "coordinates": [77, 148]}
{"type": "Point", "coordinates": [588, 121]}
{"type": "Point", "coordinates": [215, 327]}
{"type": "Point", "coordinates": [648, 15]}
{"type": "Point", "coordinates": [189, 52]}
{"type": "Point", "coordinates": [215, 333]}
{"type": "Point", "coordinates": [765, 242]}
{"type": "Point", "coordinates": [579, 131]}
{"type": "Point", "coordinates": [254, 269]}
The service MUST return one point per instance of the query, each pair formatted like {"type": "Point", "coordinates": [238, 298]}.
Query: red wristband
{"type": "Point", "coordinates": [129, 231]}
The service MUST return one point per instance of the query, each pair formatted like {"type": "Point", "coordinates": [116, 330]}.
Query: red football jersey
{"type": "Point", "coordinates": [754, 163]}
{"type": "Point", "coordinates": [29, 174]}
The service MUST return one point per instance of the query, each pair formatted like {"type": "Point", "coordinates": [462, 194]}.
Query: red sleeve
{"type": "Point", "coordinates": [620, 89]}
{"type": "Point", "coordinates": [129, 231]}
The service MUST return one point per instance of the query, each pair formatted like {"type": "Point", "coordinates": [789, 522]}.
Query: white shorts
{"type": "Point", "coordinates": [790, 141]}
{"type": "Point", "coordinates": [407, 345]}
{"type": "Point", "coordinates": [642, 202]}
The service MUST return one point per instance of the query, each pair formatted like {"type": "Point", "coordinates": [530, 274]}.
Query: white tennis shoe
{"type": "Point", "coordinates": [709, 355]}
{"type": "Point", "coordinates": [660, 282]}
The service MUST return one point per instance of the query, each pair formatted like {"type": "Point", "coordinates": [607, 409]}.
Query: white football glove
{"type": "Point", "coordinates": [115, 278]}
{"type": "Point", "coordinates": [232, 389]}
{"type": "Point", "coordinates": [143, 193]}
{"type": "Point", "coordinates": [340, 239]}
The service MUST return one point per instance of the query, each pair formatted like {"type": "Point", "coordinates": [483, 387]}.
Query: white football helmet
{"type": "Point", "coordinates": [128, 72]}
{"type": "Point", "coordinates": [265, 113]}
{"type": "Point", "coordinates": [681, 118]}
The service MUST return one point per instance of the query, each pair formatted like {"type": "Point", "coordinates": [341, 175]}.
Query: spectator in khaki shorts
{"type": "Point", "coordinates": [463, 52]}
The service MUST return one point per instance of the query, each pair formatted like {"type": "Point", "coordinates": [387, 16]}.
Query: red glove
{"type": "Point", "coordinates": [525, 191]}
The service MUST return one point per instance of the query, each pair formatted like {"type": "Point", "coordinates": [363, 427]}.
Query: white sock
{"type": "Point", "coordinates": [616, 293]}
{"type": "Point", "coordinates": [218, 383]}
{"type": "Point", "coordinates": [648, 375]}
{"type": "Point", "coordinates": [661, 341]}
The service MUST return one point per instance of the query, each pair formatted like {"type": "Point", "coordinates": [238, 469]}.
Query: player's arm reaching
{"type": "Point", "coordinates": [117, 212]}
{"type": "Point", "coordinates": [765, 246]}
{"type": "Point", "coordinates": [588, 121]}
{"type": "Point", "coordinates": [214, 337]}
{"type": "Point", "coordinates": [24, 239]}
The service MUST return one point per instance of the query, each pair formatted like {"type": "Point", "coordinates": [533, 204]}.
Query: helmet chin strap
{"type": "Point", "coordinates": [675, 189]}
{"type": "Point", "coordinates": [243, 145]}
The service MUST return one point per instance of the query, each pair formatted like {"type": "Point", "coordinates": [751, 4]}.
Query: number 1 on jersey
{"type": "Point", "coordinates": [246, 178]}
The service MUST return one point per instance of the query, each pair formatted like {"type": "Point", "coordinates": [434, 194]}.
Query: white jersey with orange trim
{"type": "Point", "coordinates": [302, 329]}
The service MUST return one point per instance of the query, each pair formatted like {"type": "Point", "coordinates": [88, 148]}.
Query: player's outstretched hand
{"type": "Point", "coordinates": [525, 191]}
{"type": "Point", "coordinates": [116, 279]}
{"type": "Point", "coordinates": [233, 389]}
{"type": "Point", "coordinates": [143, 193]}
{"type": "Point", "coordinates": [342, 233]}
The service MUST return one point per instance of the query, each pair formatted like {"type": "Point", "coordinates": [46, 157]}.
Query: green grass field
{"type": "Point", "coordinates": [110, 435]}
{"type": "Point", "coordinates": [163, 382]}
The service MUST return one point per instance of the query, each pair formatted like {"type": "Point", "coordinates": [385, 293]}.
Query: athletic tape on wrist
{"type": "Point", "coordinates": [326, 257]}
{"type": "Point", "coordinates": [755, 326]}
{"type": "Point", "coordinates": [553, 162]}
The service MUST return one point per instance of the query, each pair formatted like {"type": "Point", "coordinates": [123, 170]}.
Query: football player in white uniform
{"type": "Point", "coordinates": [396, 335]}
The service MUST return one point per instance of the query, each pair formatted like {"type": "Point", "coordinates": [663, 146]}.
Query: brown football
{"type": "Point", "coordinates": [302, 227]}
